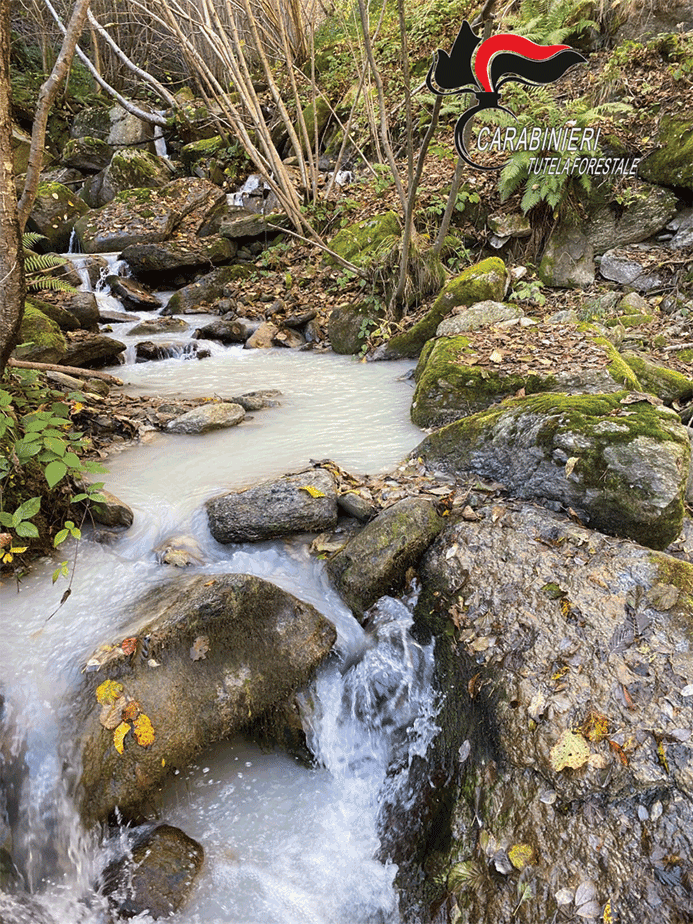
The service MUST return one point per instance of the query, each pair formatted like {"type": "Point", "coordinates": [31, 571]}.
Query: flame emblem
{"type": "Point", "coordinates": [482, 67]}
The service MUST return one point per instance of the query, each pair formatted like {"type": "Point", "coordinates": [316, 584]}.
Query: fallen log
{"type": "Point", "coordinates": [68, 370]}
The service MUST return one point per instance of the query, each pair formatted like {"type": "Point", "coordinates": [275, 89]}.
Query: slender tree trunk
{"type": "Point", "coordinates": [11, 254]}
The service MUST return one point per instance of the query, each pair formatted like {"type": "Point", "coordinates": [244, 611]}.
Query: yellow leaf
{"type": "Point", "coordinates": [521, 855]}
{"type": "Point", "coordinates": [595, 727]}
{"type": "Point", "coordinates": [314, 492]}
{"type": "Point", "coordinates": [119, 736]}
{"type": "Point", "coordinates": [144, 730]}
{"type": "Point", "coordinates": [570, 465]}
{"type": "Point", "coordinates": [108, 692]}
{"type": "Point", "coordinates": [496, 357]}
{"type": "Point", "coordinates": [608, 917]}
{"type": "Point", "coordinates": [132, 710]}
{"type": "Point", "coordinates": [571, 750]}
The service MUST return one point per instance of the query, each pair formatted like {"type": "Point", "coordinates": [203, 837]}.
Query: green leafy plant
{"type": "Point", "coordinates": [39, 266]}
{"type": "Point", "coordinates": [526, 291]}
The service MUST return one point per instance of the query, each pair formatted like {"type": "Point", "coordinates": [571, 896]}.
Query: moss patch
{"type": "Point", "coordinates": [672, 163]}
{"type": "Point", "coordinates": [659, 380]}
{"type": "Point", "coordinates": [40, 339]}
{"type": "Point", "coordinates": [359, 243]}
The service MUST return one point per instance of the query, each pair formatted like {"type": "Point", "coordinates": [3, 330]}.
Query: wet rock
{"type": "Point", "coordinates": [348, 327]}
{"type": "Point", "coordinates": [217, 416]}
{"type": "Point", "coordinates": [54, 213]}
{"type": "Point", "coordinates": [568, 260]}
{"type": "Point", "coordinates": [256, 400]}
{"type": "Point", "coordinates": [85, 349]}
{"type": "Point", "coordinates": [112, 511]}
{"type": "Point", "coordinates": [22, 909]}
{"type": "Point", "coordinates": [263, 337]}
{"type": "Point", "coordinates": [161, 325]}
{"type": "Point", "coordinates": [200, 294]}
{"type": "Point", "coordinates": [214, 653]}
{"type": "Point", "coordinates": [560, 631]}
{"type": "Point", "coordinates": [157, 874]}
{"type": "Point", "coordinates": [483, 314]}
{"type": "Point", "coordinates": [84, 307]}
{"type": "Point", "coordinates": [106, 316]}
{"type": "Point", "coordinates": [150, 350]}
{"type": "Point", "coordinates": [179, 551]}
{"type": "Point", "coordinates": [485, 281]}
{"type": "Point", "coordinates": [356, 505]}
{"type": "Point", "coordinates": [236, 331]}
{"type": "Point", "coordinates": [172, 255]}
{"type": "Point", "coordinates": [290, 339]}
{"type": "Point", "coordinates": [305, 502]}
{"type": "Point", "coordinates": [375, 561]}
{"type": "Point", "coordinates": [133, 294]}
{"type": "Point", "coordinates": [618, 461]}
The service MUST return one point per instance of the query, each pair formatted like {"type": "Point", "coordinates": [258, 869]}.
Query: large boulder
{"type": "Point", "coordinates": [568, 260]}
{"type": "Point", "coordinates": [305, 502]}
{"type": "Point", "coordinates": [459, 375]}
{"type": "Point", "coordinates": [85, 349]}
{"type": "Point", "coordinates": [644, 214]}
{"type": "Point", "coordinates": [216, 416]}
{"type": "Point", "coordinates": [349, 326]}
{"type": "Point", "coordinates": [211, 653]}
{"type": "Point", "coordinates": [484, 281]}
{"type": "Point", "coordinates": [565, 761]}
{"type": "Point", "coordinates": [620, 462]}
{"type": "Point", "coordinates": [375, 561]}
{"type": "Point", "coordinates": [156, 874]}
{"type": "Point", "coordinates": [87, 154]}
{"type": "Point", "coordinates": [40, 338]}
{"type": "Point", "coordinates": [208, 288]}
{"type": "Point", "coordinates": [672, 163]}
{"type": "Point", "coordinates": [116, 126]}
{"type": "Point", "coordinates": [137, 216]}
{"type": "Point", "coordinates": [133, 294]}
{"type": "Point", "coordinates": [134, 169]}
{"type": "Point", "coordinates": [54, 213]}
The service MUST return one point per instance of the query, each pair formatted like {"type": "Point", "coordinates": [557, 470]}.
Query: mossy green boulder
{"type": "Point", "coordinates": [40, 339]}
{"type": "Point", "coordinates": [200, 152]}
{"type": "Point", "coordinates": [349, 326]}
{"type": "Point", "coordinates": [485, 281]}
{"type": "Point", "coordinates": [672, 163]}
{"type": "Point", "coordinates": [134, 169]}
{"type": "Point", "coordinates": [620, 463]}
{"type": "Point", "coordinates": [659, 380]}
{"type": "Point", "coordinates": [88, 154]}
{"type": "Point", "coordinates": [362, 242]}
{"type": "Point", "coordinates": [55, 211]}
{"type": "Point", "coordinates": [451, 382]}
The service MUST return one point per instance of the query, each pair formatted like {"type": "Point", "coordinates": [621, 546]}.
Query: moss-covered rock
{"type": "Point", "coordinates": [40, 339]}
{"type": "Point", "coordinates": [89, 154]}
{"type": "Point", "coordinates": [132, 168]}
{"type": "Point", "coordinates": [349, 326]}
{"type": "Point", "coordinates": [54, 214]}
{"type": "Point", "coordinates": [623, 466]}
{"type": "Point", "coordinates": [659, 380]}
{"type": "Point", "coordinates": [318, 114]}
{"type": "Point", "coordinates": [485, 281]}
{"type": "Point", "coordinates": [65, 319]}
{"type": "Point", "coordinates": [451, 383]}
{"type": "Point", "coordinates": [137, 216]}
{"type": "Point", "coordinates": [362, 242]}
{"type": "Point", "coordinates": [672, 163]}
{"type": "Point", "coordinates": [375, 561]}
{"type": "Point", "coordinates": [200, 152]}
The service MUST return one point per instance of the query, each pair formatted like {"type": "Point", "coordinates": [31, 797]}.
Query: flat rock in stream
{"type": "Point", "coordinates": [197, 660]}
{"type": "Point", "coordinates": [305, 502]}
{"type": "Point", "coordinates": [207, 417]}
{"type": "Point", "coordinates": [565, 664]}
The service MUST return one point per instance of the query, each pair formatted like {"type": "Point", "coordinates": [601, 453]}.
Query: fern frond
{"type": "Point", "coordinates": [31, 238]}
{"type": "Point", "coordinates": [50, 283]}
{"type": "Point", "coordinates": [40, 262]}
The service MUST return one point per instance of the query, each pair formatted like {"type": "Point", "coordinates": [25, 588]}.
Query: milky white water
{"type": "Point", "coordinates": [284, 843]}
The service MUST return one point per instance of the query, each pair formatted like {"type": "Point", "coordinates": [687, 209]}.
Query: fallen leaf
{"type": "Point", "coordinates": [496, 357]}
{"type": "Point", "coordinates": [131, 710]}
{"type": "Point", "coordinates": [111, 716]}
{"type": "Point", "coordinates": [199, 649]}
{"type": "Point", "coordinates": [144, 730]}
{"type": "Point", "coordinates": [128, 645]}
{"type": "Point", "coordinates": [314, 492]}
{"type": "Point", "coordinates": [618, 750]}
{"type": "Point", "coordinates": [571, 750]}
{"type": "Point", "coordinates": [595, 727]}
{"type": "Point", "coordinates": [608, 917]}
{"type": "Point", "coordinates": [119, 736]}
{"type": "Point", "coordinates": [522, 855]}
{"type": "Point", "coordinates": [570, 465]}
{"type": "Point", "coordinates": [108, 692]}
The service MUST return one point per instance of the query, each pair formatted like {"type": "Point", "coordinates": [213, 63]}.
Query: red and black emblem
{"type": "Point", "coordinates": [498, 59]}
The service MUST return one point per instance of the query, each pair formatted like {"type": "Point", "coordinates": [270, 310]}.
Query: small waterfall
{"type": "Point", "coordinates": [159, 140]}
{"type": "Point", "coordinates": [74, 245]}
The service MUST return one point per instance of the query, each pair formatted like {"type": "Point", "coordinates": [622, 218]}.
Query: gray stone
{"type": "Point", "coordinates": [263, 337]}
{"type": "Point", "coordinates": [112, 511]}
{"type": "Point", "coordinates": [375, 561]}
{"type": "Point", "coordinates": [622, 465]}
{"type": "Point", "coordinates": [116, 126]}
{"type": "Point", "coordinates": [241, 223]}
{"type": "Point", "coordinates": [85, 349]}
{"type": "Point", "coordinates": [568, 260]}
{"type": "Point", "coordinates": [648, 213]}
{"type": "Point", "coordinates": [483, 314]}
{"type": "Point", "coordinates": [348, 327]}
{"type": "Point", "coordinates": [133, 217]}
{"type": "Point", "coordinates": [54, 214]}
{"type": "Point", "coordinates": [133, 294]}
{"type": "Point", "coordinates": [275, 508]}
{"type": "Point", "coordinates": [682, 224]}
{"type": "Point", "coordinates": [88, 154]}
{"type": "Point", "coordinates": [157, 326]}
{"type": "Point", "coordinates": [207, 417]}
{"type": "Point", "coordinates": [220, 651]}
{"type": "Point", "coordinates": [84, 307]}
{"type": "Point", "coordinates": [179, 551]}
{"type": "Point", "coordinates": [629, 268]}
{"type": "Point", "coordinates": [356, 505]}
{"type": "Point", "coordinates": [156, 874]}
{"type": "Point", "coordinates": [202, 293]}
{"type": "Point", "coordinates": [511, 225]}
{"type": "Point", "coordinates": [236, 331]}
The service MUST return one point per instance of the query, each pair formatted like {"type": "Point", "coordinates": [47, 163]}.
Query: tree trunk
{"type": "Point", "coordinates": [11, 254]}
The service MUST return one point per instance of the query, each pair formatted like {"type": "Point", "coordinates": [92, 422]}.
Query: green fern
{"type": "Point", "coordinates": [550, 23]}
{"type": "Point", "coordinates": [38, 266]}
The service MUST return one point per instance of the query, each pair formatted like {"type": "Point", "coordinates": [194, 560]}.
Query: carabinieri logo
{"type": "Point", "coordinates": [498, 59]}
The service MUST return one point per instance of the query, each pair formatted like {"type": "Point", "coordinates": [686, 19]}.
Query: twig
{"type": "Point", "coordinates": [68, 370]}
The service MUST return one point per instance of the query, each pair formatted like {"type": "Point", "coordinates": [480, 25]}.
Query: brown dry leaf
{"type": "Point", "coordinates": [571, 750]}
{"type": "Point", "coordinates": [199, 649]}
{"type": "Point", "coordinates": [469, 514]}
{"type": "Point", "coordinates": [128, 645]}
{"type": "Point", "coordinates": [119, 736]}
{"type": "Point", "coordinates": [111, 715]}
{"type": "Point", "coordinates": [144, 730]}
{"type": "Point", "coordinates": [622, 756]}
{"type": "Point", "coordinates": [131, 711]}
{"type": "Point", "coordinates": [570, 465]}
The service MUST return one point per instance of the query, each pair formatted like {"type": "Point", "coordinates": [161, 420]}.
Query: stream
{"type": "Point", "coordinates": [284, 843]}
